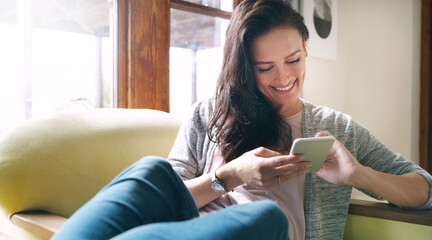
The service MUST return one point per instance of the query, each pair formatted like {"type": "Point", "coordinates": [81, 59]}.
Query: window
{"type": "Point", "coordinates": [143, 53]}
{"type": "Point", "coordinates": [225, 5]}
{"type": "Point", "coordinates": [56, 55]}
{"type": "Point", "coordinates": [195, 57]}
{"type": "Point", "coordinates": [196, 48]}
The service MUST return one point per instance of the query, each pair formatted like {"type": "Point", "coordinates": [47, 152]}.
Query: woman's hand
{"type": "Point", "coordinates": [340, 166]}
{"type": "Point", "coordinates": [262, 167]}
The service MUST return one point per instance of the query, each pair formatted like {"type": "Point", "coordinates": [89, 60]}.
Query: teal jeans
{"type": "Point", "coordinates": [149, 200]}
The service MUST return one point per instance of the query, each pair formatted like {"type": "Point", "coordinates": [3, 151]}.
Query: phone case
{"type": "Point", "coordinates": [314, 149]}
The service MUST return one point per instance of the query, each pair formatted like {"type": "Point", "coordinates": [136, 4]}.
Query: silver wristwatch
{"type": "Point", "coordinates": [217, 185]}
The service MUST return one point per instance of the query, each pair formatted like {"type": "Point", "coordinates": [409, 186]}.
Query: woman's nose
{"type": "Point", "coordinates": [283, 75]}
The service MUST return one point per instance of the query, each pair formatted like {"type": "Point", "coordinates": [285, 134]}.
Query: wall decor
{"type": "Point", "coordinates": [295, 4]}
{"type": "Point", "coordinates": [321, 19]}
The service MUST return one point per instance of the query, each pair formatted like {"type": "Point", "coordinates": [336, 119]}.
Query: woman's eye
{"type": "Point", "coordinates": [264, 69]}
{"type": "Point", "coordinates": [295, 61]}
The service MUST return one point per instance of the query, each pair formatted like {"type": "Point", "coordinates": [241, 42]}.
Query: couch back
{"type": "Point", "coordinates": [58, 163]}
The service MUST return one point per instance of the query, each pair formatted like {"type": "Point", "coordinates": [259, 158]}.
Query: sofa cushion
{"type": "Point", "coordinates": [57, 163]}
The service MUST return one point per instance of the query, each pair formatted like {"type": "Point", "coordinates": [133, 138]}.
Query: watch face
{"type": "Point", "coordinates": [218, 187]}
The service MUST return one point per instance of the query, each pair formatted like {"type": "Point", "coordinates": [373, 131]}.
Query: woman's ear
{"type": "Point", "coordinates": [305, 49]}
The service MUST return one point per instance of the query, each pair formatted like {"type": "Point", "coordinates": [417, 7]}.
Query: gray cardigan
{"type": "Point", "coordinates": [326, 204]}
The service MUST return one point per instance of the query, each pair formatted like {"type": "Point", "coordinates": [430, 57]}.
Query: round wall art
{"type": "Point", "coordinates": [321, 19]}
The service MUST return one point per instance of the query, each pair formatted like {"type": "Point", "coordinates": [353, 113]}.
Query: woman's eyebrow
{"type": "Point", "coordinates": [292, 54]}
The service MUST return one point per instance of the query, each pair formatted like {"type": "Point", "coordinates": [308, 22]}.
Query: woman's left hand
{"type": "Point", "coordinates": [340, 166]}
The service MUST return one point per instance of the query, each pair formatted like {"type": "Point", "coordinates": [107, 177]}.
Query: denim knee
{"type": "Point", "coordinates": [151, 164]}
{"type": "Point", "coordinates": [158, 173]}
{"type": "Point", "coordinates": [154, 162]}
{"type": "Point", "coordinates": [271, 212]}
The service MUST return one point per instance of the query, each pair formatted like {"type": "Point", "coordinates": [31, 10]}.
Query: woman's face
{"type": "Point", "coordinates": [279, 64]}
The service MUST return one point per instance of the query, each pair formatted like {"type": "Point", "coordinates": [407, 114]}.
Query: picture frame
{"type": "Point", "coordinates": [321, 20]}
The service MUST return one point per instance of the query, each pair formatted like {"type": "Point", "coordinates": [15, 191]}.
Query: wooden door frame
{"type": "Point", "coordinates": [425, 141]}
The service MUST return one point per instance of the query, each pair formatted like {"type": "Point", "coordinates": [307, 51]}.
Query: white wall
{"type": "Point", "coordinates": [376, 75]}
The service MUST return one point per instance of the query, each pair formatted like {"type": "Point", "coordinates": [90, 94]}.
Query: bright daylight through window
{"type": "Point", "coordinates": [195, 54]}
{"type": "Point", "coordinates": [55, 55]}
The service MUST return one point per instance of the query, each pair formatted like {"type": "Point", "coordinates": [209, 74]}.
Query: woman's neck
{"type": "Point", "coordinates": [292, 110]}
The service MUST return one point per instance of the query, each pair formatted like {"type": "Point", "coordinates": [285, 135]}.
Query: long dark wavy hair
{"type": "Point", "coordinates": [242, 119]}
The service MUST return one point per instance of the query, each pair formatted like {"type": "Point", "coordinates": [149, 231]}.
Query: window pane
{"type": "Point", "coordinates": [56, 55]}
{"type": "Point", "coordinates": [226, 5]}
{"type": "Point", "coordinates": [195, 57]}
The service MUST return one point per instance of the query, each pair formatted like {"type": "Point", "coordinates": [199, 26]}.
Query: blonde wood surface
{"type": "Point", "coordinates": [40, 223]}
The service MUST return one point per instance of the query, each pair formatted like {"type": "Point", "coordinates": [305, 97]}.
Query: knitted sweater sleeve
{"type": "Point", "coordinates": [188, 155]}
{"type": "Point", "coordinates": [364, 146]}
{"type": "Point", "coordinates": [372, 153]}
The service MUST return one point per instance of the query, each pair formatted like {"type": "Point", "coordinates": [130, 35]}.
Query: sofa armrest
{"type": "Point", "coordinates": [40, 223]}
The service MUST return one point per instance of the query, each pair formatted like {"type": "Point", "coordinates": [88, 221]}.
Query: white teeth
{"type": "Point", "coordinates": [285, 88]}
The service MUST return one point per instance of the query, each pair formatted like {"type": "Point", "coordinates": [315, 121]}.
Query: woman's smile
{"type": "Point", "coordinates": [285, 90]}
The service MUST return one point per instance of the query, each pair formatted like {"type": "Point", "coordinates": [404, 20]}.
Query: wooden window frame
{"type": "Point", "coordinates": [142, 50]}
{"type": "Point", "coordinates": [142, 54]}
{"type": "Point", "coordinates": [200, 9]}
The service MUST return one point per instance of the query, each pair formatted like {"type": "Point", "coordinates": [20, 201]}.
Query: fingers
{"type": "Point", "coordinates": [298, 167]}
{"type": "Point", "coordinates": [273, 168]}
{"type": "Point", "coordinates": [285, 166]}
{"type": "Point", "coordinates": [282, 160]}
{"type": "Point", "coordinates": [280, 179]}
{"type": "Point", "coordinates": [272, 159]}
{"type": "Point", "coordinates": [265, 152]}
{"type": "Point", "coordinates": [323, 134]}
{"type": "Point", "coordinates": [290, 170]}
{"type": "Point", "coordinates": [335, 145]}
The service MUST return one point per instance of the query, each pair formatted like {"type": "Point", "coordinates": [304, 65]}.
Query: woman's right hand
{"type": "Point", "coordinates": [262, 167]}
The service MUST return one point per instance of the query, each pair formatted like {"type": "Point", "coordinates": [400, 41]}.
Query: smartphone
{"type": "Point", "coordinates": [314, 149]}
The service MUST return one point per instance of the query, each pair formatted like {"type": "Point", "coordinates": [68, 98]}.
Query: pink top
{"type": "Point", "coordinates": [289, 195]}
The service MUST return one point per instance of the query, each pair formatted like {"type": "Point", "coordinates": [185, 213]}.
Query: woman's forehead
{"type": "Point", "coordinates": [275, 42]}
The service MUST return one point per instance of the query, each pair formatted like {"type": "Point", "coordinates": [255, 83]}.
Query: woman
{"type": "Point", "coordinates": [232, 152]}
{"type": "Point", "coordinates": [238, 141]}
